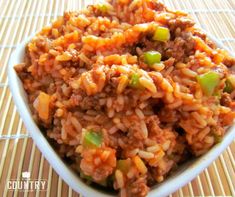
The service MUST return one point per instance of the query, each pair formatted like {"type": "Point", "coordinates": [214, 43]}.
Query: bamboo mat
{"type": "Point", "coordinates": [19, 19]}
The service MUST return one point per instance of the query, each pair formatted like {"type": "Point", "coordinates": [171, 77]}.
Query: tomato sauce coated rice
{"type": "Point", "coordinates": [127, 90]}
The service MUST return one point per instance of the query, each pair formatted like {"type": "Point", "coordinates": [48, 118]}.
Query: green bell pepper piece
{"type": "Point", "coordinates": [208, 82]}
{"type": "Point", "coordinates": [228, 86]}
{"type": "Point", "coordinates": [124, 165]}
{"type": "Point", "coordinates": [161, 34]}
{"type": "Point", "coordinates": [152, 57]}
{"type": "Point", "coordinates": [92, 139]}
{"type": "Point", "coordinates": [134, 81]}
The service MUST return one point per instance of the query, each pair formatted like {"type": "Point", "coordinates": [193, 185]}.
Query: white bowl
{"type": "Point", "coordinates": [182, 176]}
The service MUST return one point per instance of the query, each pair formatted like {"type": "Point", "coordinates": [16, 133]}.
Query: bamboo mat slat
{"type": "Point", "coordinates": [18, 153]}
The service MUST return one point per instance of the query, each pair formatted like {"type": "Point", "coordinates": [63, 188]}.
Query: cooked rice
{"type": "Point", "coordinates": [77, 74]}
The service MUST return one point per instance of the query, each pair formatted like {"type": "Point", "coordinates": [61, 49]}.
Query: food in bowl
{"type": "Point", "coordinates": [128, 90]}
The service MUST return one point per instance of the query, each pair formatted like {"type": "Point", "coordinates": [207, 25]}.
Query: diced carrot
{"type": "Point", "coordinates": [202, 46]}
{"type": "Point", "coordinates": [140, 165]}
{"type": "Point", "coordinates": [43, 105]}
{"type": "Point", "coordinates": [124, 1]}
{"type": "Point", "coordinates": [58, 23]}
{"type": "Point", "coordinates": [227, 119]}
{"type": "Point", "coordinates": [218, 58]}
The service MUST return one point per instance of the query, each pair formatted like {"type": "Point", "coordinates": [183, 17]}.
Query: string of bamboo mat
{"type": "Point", "coordinates": [21, 18]}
